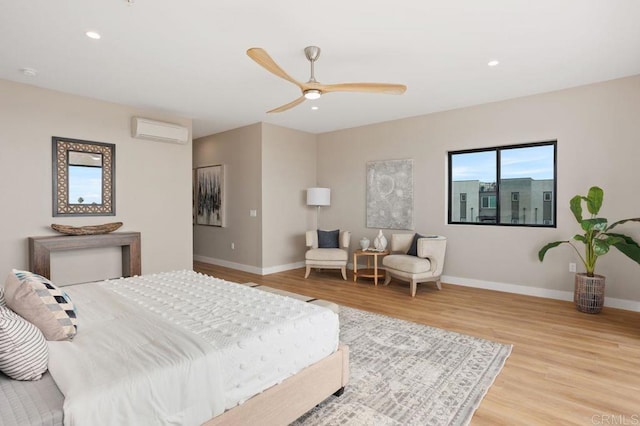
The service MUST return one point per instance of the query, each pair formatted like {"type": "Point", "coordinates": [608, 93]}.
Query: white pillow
{"type": "Point", "coordinates": [24, 354]}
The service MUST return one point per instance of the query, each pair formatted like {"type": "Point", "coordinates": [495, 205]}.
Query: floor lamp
{"type": "Point", "coordinates": [318, 197]}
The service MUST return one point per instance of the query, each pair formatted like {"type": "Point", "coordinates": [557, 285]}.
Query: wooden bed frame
{"type": "Point", "coordinates": [282, 404]}
{"type": "Point", "coordinates": [278, 405]}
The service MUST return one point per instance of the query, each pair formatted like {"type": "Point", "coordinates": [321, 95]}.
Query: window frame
{"type": "Point", "coordinates": [497, 150]}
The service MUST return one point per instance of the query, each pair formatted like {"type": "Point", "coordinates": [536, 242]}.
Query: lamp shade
{"type": "Point", "coordinates": [318, 196]}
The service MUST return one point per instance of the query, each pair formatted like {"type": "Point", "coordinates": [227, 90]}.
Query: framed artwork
{"type": "Point", "coordinates": [390, 194]}
{"type": "Point", "coordinates": [193, 196]}
{"type": "Point", "coordinates": [209, 196]}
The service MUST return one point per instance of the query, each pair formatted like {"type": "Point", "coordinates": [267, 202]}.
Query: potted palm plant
{"type": "Point", "coordinates": [597, 239]}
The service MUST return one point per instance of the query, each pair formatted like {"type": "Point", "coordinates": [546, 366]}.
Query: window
{"type": "Point", "coordinates": [489, 202]}
{"type": "Point", "coordinates": [511, 185]}
{"type": "Point", "coordinates": [547, 210]}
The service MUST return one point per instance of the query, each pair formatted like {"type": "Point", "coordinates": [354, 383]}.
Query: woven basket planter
{"type": "Point", "coordinates": [589, 293]}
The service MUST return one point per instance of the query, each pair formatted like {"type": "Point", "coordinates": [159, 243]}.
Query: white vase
{"type": "Point", "coordinates": [380, 242]}
{"type": "Point", "coordinates": [364, 243]}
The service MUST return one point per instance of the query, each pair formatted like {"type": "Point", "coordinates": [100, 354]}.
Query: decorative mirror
{"type": "Point", "coordinates": [83, 178]}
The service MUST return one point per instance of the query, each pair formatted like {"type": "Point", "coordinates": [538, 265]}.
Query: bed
{"type": "Point", "coordinates": [244, 355]}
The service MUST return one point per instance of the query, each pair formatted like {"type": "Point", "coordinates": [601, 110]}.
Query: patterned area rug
{"type": "Point", "coordinates": [403, 373]}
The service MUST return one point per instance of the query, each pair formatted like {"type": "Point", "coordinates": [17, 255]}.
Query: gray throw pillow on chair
{"type": "Point", "coordinates": [413, 250]}
{"type": "Point", "coordinates": [329, 239]}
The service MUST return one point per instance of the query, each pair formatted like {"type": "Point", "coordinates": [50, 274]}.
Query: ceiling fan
{"type": "Point", "coordinates": [312, 89]}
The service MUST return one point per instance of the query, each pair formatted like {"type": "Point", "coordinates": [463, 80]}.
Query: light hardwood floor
{"type": "Point", "coordinates": [566, 367]}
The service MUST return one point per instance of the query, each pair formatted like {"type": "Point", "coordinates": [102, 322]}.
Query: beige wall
{"type": "Point", "coordinates": [153, 182]}
{"type": "Point", "coordinates": [267, 169]}
{"type": "Point", "coordinates": [288, 168]}
{"type": "Point", "coordinates": [240, 152]}
{"type": "Point", "coordinates": [598, 133]}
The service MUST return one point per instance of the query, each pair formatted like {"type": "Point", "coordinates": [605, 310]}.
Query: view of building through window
{"type": "Point", "coordinates": [511, 185]}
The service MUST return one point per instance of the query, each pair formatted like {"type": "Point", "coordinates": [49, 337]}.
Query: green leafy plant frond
{"type": "Point", "coordinates": [594, 199]}
{"type": "Point", "coordinates": [627, 246]}
{"type": "Point", "coordinates": [620, 222]}
{"type": "Point", "coordinates": [597, 224]}
{"type": "Point", "coordinates": [546, 248]}
{"type": "Point", "coordinates": [576, 207]}
{"type": "Point", "coordinates": [597, 239]}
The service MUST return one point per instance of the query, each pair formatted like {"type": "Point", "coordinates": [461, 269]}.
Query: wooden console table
{"type": "Point", "coordinates": [40, 249]}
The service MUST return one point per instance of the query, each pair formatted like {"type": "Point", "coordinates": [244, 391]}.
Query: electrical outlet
{"type": "Point", "coordinates": [253, 213]}
{"type": "Point", "coordinates": [233, 247]}
{"type": "Point", "coordinates": [572, 267]}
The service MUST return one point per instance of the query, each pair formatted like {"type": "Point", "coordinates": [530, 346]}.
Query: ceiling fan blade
{"type": "Point", "coordinates": [290, 105]}
{"type": "Point", "coordinates": [263, 59]}
{"type": "Point", "coordinates": [390, 89]}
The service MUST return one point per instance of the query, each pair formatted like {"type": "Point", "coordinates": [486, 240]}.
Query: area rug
{"type": "Point", "coordinates": [403, 373]}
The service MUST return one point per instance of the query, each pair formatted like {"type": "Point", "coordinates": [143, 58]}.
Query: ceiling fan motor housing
{"type": "Point", "coordinates": [312, 53]}
{"type": "Point", "coordinates": [312, 94]}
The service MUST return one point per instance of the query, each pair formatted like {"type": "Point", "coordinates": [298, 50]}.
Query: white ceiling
{"type": "Point", "coordinates": [188, 57]}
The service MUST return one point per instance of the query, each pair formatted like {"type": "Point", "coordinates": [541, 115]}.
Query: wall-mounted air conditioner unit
{"type": "Point", "coordinates": [143, 128]}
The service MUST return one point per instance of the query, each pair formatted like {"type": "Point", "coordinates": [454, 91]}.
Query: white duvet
{"type": "Point", "coordinates": [180, 348]}
{"type": "Point", "coordinates": [126, 367]}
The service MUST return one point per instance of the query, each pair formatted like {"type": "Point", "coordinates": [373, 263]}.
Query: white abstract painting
{"type": "Point", "coordinates": [390, 194]}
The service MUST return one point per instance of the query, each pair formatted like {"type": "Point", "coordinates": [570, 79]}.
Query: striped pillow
{"type": "Point", "coordinates": [23, 350]}
{"type": "Point", "coordinates": [2, 302]}
{"type": "Point", "coordinates": [40, 302]}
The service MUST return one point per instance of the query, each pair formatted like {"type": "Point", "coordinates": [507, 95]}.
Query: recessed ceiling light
{"type": "Point", "coordinates": [314, 107]}
{"type": "Point", "coordinates": [92, 34]}
{"type": "Point", "coordinates": [29, 72]}
{"type": "Point", "coordinates": [493, 63]}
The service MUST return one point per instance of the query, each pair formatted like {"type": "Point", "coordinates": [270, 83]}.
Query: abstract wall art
{"type": "Point", "coordinates": [390, 194]}
{"type": "Point", "coordinates": [209, 195]}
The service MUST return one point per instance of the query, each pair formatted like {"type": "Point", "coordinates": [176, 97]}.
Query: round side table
{"type": "Point", "coordinates": [370, 272]}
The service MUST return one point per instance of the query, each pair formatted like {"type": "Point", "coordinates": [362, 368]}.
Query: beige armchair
{"type": "Point", "coordinates": [327, 258]}
{"type": "Point", "coordinates": [426, 266]}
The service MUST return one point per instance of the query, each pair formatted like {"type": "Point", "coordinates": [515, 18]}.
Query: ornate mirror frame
{"type": "Point", "coordinates": [61, 149]}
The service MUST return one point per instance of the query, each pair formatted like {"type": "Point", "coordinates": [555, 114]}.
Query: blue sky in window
{"type": "Point", "coordinates": [529, 162]}
{"type": "Point", "coordinates": [535, 162]}
{"type": "Point", "coordinates": [474, 166]}
{"type": "Point", "coordinates": [85, 183]}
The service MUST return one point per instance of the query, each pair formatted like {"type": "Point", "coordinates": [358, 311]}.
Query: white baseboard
{"type": "Point", "coordinates": [248, 268]}
{"type": "Point", "coordinates": [227, 264]}
{"type": "Point", "coordinates": [629, 305]}
{"type": "Point", "coordinates": [282, 268]}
